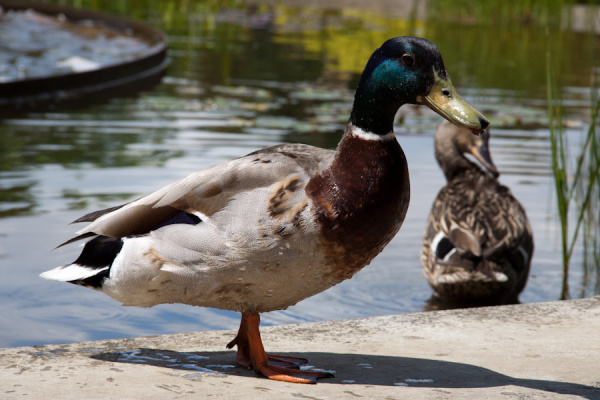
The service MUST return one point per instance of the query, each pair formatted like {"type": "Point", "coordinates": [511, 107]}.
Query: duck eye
{"type": "Point", "coordinates": [408, 60]}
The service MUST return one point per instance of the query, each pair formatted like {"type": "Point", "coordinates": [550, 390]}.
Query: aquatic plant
{"type": "Point", "coordinates": [577, 182]}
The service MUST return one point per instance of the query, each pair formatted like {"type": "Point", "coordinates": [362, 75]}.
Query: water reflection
{"type": "Point", "coordinates": [244, 79]}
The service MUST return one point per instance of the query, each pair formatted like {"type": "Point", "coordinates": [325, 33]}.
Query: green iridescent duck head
{"type": "Point", "coordinates": [408, 70]}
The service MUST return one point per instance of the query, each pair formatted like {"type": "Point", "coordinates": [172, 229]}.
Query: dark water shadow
{"type": "Point", "coordinates": [361, 369]}
{"type": "Point", "coordinates": [435, 303]}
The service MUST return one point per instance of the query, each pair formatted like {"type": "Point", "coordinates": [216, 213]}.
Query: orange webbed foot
{"type": "Point", "coordinates": [251, 354]}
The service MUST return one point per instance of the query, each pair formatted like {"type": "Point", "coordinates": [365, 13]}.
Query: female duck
{"type": "Point", "coordinates": [264, 231]}
{"type": "Point", "coordinates": [478, 244]}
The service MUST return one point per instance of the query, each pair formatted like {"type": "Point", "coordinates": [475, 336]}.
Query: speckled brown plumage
{"type": "Point", "coordinates": [478, 243]}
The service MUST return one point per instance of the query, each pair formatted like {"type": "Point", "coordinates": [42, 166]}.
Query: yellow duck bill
{"type": "Point", "coordinates": [444, 100]}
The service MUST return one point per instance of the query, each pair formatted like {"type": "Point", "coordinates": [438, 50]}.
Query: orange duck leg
{"type": "Point", "coordinates": [251, 354]}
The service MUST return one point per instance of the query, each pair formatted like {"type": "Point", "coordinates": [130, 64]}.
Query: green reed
{"type": "Point", "coordinates": [576, 183]}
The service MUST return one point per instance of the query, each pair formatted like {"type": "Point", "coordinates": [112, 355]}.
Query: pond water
{"type": "Point", "coordinates": [242, 79]}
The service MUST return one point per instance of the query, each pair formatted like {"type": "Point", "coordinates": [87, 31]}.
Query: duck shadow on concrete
{"type": "Point", "coordinates": [361, 369]}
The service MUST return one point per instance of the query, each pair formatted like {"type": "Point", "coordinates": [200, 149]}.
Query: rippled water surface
{"type": "Point", "coordinates": [242, 79]}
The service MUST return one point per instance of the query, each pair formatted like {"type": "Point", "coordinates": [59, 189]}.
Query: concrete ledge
{"type": "Point", "coordinates": [533, 351]}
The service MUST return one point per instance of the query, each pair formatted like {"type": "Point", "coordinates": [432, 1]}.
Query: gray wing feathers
{"type": "Point", "coordinates": [209, 190]}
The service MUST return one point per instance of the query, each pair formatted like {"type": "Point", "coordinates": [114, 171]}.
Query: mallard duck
{"type": "Point", "coordinates": [478, 244]}
{"type": "Point", "coordinates": [266, 230]}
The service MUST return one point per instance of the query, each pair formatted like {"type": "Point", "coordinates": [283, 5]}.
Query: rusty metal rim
{"type": "Point", "coordinates": [79, 84]}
